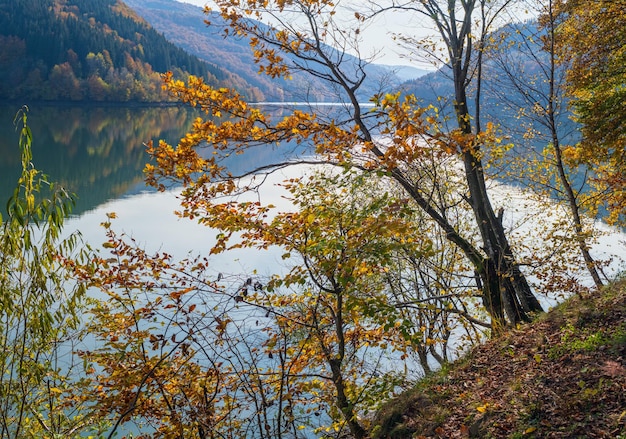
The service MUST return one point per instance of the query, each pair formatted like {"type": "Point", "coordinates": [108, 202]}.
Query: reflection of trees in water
{"type": "Point", "coordinates": [96, 152]}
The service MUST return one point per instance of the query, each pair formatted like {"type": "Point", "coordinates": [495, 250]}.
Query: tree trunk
{"type": "Point", "coordinates": [590, 263]}
{"type": "Point", "coordinates": [347, 409]}
{"type": "Point", "coordinates": [504, 286]}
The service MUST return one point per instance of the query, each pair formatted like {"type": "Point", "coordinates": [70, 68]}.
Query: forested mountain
{"type": "Point", "coordinates": [97, 50]}
{"type": "Point", "coordinates": [184, 25]}
{"type": "Point", "coordinates": [515, 84]}
{"type": "Point", "coordinates": [104, 50]}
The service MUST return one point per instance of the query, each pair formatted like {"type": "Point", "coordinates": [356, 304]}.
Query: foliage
{"type": "Point", "coordinates": [304, 29]}
{"type": "Point", "coordinates": [348, 138]}
{"type": "Point", "coordinates": [39, 310]}
{"type": "Point", "coordinates": [183, 24]}
{"type": "Point", "coordinates": [84, 50]}
{"type": "Point", "coordinates": [529, 82]}
{"type": "Point", "coordinates": [389, 249]}
{"type": "Point", "coordinates": [179, 352]}
{"type": "Point", "coordinates": [592, 41]}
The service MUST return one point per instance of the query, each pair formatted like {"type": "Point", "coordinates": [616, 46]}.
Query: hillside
{"type": "Point", "coordinates": [506, 65]}
{"type": "Point", "coordinates": [92, 50]}
{"type": "Point", "coordinates": [184, 25]}
{"type": "Point", "coordinates": [563, 376]}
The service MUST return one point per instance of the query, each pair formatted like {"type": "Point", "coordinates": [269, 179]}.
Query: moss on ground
{"type": "Point", "coordinates": [562, 376]}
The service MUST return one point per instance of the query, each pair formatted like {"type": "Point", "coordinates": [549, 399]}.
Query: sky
{"type": "Point", "coordinates": [377, 38]}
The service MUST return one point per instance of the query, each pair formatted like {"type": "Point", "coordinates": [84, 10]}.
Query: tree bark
{"type": "Point", "coordinates": [347, 409]}
{"type": "Point", "coordinates": [504, 285]}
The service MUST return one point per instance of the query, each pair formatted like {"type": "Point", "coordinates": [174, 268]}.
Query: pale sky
{"type": "Point", "coordinates": [377, 38]}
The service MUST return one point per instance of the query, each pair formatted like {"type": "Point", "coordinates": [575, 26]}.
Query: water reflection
{"type": "Point", "coordinates": [150, 220]}
{"type": "Point", "coordinates": [95, 152]}
{"type": "Point", "coordinates": [98, 153]}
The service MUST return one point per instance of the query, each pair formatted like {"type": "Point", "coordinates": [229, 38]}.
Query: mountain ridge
{"type": "Point", "coordinates": [85, 50]}
{"type": "Point", "coordinates": [115, 51]}
{"type": "Point", "coordinates": [184, 25]}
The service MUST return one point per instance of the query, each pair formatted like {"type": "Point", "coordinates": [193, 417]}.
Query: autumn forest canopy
{"type": "Point", "coordinates": [403, 239]}
{"type": "Point", "coordinates": [83, 50]}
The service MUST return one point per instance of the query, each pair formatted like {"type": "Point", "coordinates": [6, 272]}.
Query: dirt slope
{"type": "Point", "coordinates": [563, 376]}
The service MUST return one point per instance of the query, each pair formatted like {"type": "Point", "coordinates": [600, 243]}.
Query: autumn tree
{"type": "Point", "coordinates": [299, 37]}
{"type": "Point", "coordinates": [591, 42]}
{"type": "Point", "coordinates": [63, 83]}
{"type": "Point", "coordinates": [316, 348]}
{"type": "Point", "coordinates": [40, 310]}
{"type": "Point", "coordinates": [528, 83]}
{"type": "Point", "coordinates": [464, 27]}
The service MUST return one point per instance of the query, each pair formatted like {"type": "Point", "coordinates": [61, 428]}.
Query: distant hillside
{"type": "Point", "coordinates": [96, 50]}
{"type": "Point", "coordinates": [184, 25]}
{"type": "Point", "coordinates": [505, 104]}
{"type": "Point", "coordinates": [500, 99]}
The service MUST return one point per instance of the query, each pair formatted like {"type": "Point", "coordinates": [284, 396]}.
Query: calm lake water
{"type": "Point", "coordinates": [99, 154]}
{"type": "Point", "coordinates": [95, 152]}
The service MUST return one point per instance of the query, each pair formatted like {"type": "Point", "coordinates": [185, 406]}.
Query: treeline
{"type": "Point", "coordinates": [88, 50]}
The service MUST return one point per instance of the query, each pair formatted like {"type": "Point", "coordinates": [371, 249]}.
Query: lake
{"type": "Point", "coordinates": [95, 152]}
{"type": "Point", "coordinates": [99, 153]}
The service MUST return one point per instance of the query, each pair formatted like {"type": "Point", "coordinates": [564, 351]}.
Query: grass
{"type": "Point", "coordinates": [562, 376]}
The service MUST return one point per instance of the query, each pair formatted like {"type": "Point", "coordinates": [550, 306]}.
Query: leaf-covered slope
{"type": "Point", "coordinates": [563, 376]}
{"type": "Point", "coordinates": [88, 50]}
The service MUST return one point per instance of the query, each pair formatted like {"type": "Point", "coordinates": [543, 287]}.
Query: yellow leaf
{"type": "Point", "coordinates": [537, 358]}
{"type": "Point", "coordinates": [482, 408]}
{"type": "Point", "coordinates": [55, 390]}
{"type": "Point", "coordinates": [530, 430]}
